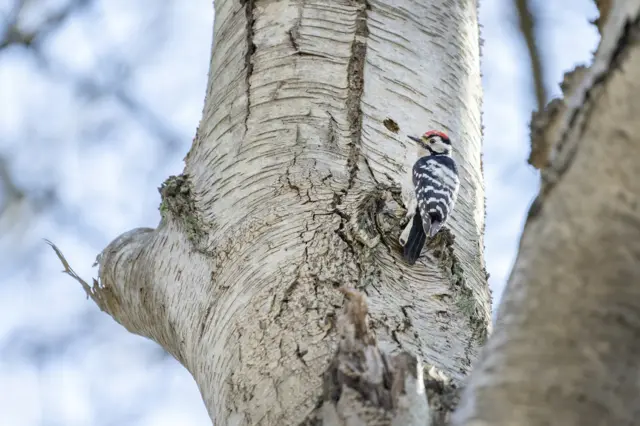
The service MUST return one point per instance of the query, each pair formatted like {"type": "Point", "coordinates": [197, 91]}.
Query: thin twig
{"type": "Point", "coordinates": [69, 271]}
{"type": "Point", "coordinates": [527, 27]}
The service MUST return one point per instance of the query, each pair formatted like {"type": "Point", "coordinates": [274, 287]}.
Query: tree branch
{"type": "Point", "coordinates": [565, 346]}
{"type": "Point", "coordinates": [15, 35]}
{"type": "Point", "coordinates": [527, 27]}
{"type": "Point", "coordinates": [604, 7]}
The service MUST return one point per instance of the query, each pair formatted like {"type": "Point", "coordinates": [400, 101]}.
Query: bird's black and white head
{"type": "Point", "coordinates": [433, 143]}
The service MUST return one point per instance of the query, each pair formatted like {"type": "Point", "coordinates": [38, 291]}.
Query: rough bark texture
{"type": "Point", "coordinates": [290, 190]}
{"type": "Point", "coordinates": [566, 343]}
{"type": "Point", "coordinates": [365, 386]}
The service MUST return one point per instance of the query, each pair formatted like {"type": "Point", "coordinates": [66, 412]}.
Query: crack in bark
{"type": "Point", "coordinates": [204, 322]}
{"type": "Point", "coordinates": [355, 76]}
{"type": "Point", "coordinates": [363, 221]}
{"type": "Point", "coordinates": [293, 37]}
{"type": "Point", "coordinates": [295, 283]}
{"type": "Point", "coordinates": [290, 184]}
{"type": "Point", "coordinates": [300, 353]}
{"type": "Point", "coordinates": [251, 48]}
{"type": "Point", "coordinates": [403, 326]}
{"type": "Point", "coordinates": [355, 79]}
{"type": "Point", "coordinates": [332, 136]}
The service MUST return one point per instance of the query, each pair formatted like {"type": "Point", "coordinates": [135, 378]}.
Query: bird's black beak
{"type": "Point", "coordinates": [415, 139]}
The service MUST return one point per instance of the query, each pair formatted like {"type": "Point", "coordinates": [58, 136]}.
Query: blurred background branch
{"type": "Point", "coordinates": [30, 25]}
{"type": "Point", "coordinates": [99, 101]}
{"type": "Point", "coordinates": [17, 33]}
{"type": "Point", "coordinates": [527, 28]}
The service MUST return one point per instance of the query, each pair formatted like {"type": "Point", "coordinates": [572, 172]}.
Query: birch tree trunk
{"type": "Point", "coordinates": [290, 190]}
{"type": "Point", "coordinates": [567, 341]}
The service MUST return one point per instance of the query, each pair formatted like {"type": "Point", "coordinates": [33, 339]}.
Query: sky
{"type": "Point", "coordinates": [124, 80]}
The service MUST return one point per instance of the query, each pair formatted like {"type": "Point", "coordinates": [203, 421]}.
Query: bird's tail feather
{"type": "Point", "coordinates": [435, 227]}
{"type": "Point", "coordinates": [416, 240]}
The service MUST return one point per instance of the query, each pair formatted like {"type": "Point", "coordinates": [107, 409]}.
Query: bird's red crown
{"type": "Point", "coordinates": [436, 133]}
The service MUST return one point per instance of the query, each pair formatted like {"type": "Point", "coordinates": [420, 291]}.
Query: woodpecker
{"type": "Point", "coordinates": [433, 194]}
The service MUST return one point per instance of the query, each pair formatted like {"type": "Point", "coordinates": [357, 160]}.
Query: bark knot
{"type": "Point", "coordinates": [178, 204]}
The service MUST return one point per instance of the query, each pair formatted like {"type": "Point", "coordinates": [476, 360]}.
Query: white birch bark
{"type": "Point", "coordinates": [290, 191]}
{"type": "Point", "coordinates": [566, 346]}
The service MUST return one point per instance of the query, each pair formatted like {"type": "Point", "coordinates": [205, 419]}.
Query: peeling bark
{"type": "Point", "coordinates": [363, 385]}
{"type": "Point", "coordinates": [291, 190]}
{"type": "Point", "coordinates": [566, 343]}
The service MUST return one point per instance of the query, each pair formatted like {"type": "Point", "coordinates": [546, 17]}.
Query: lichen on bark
{"type": "Point", "coordinates": [177, 204]}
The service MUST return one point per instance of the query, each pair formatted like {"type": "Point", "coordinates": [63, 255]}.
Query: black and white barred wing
{"type": "Point", "coordinates": [436, 181]}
